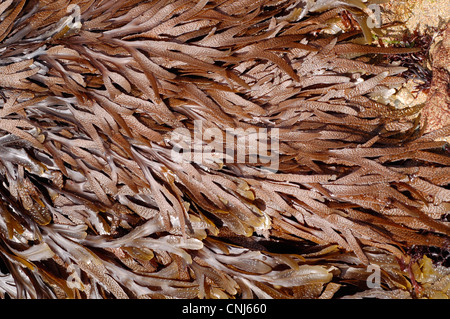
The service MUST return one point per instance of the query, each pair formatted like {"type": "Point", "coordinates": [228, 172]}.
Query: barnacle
{"type": "Point", "coordinates": [96, 95]}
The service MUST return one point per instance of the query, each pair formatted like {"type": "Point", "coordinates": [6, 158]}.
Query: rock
{"type": "Point", "coordinates": [437, 108]}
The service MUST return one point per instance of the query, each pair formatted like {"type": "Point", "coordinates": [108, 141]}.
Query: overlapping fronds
{"type": "Point", "coordinates": [93, 205]}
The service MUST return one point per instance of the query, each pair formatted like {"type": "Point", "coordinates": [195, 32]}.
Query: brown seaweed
{"type": "Point", "coordinates": [92, 205]}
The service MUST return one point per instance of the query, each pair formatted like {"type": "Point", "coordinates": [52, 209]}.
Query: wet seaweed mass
{"type": "Point", "coordinates": [94, 205]}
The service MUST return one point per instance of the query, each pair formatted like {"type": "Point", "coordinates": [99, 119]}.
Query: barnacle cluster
{"type": "Point", "coordinates": [93, 205]}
